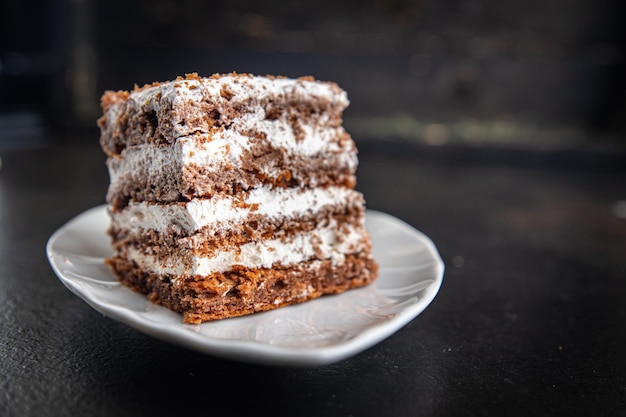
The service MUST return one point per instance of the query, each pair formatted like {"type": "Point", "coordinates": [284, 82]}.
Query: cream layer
{"type": "Point", "coordinates": [330, 242]}
{"type": "Point", "coordinates": [228, 212]}
{"type": "Point", "coordinates": [224, 147]}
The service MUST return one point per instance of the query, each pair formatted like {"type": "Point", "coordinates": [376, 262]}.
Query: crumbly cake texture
{"type": "Point", "coordinates": [234, 194]}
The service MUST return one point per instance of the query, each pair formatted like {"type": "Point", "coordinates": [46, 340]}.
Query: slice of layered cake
{"type": "Point", "coordinates": [234, 194]}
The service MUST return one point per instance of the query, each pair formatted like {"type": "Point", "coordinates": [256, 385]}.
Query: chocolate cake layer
{"type": "Point", "coordinates": [203, 230]}
{"type": "Point", "coordinates": [162, 112]}
{"type": "Point", "coordinates": [198, 167]}
{"type": "Point", "coordinates": [247, 290]}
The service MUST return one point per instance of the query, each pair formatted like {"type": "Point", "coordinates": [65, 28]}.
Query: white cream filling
{"type": "Point", "coordinates": [320, 244]}
{"type": "Point", "coordinates": [225, 212]}
{"type": "Point", "coordinates": [225, 148]}
{"type": "Point", "coordinates": [279, 134]}
{"type": "Point", "coordinates": [243, 88]}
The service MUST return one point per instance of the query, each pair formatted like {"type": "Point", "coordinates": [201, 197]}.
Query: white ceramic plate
{"type": "Point", "coordinates": [317, 332]}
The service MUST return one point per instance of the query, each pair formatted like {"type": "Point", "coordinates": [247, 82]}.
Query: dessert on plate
{"type": "Point", "coordinates": [233, 194]}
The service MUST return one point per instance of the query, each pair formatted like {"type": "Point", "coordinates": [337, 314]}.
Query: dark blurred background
{"type": "Point", "coordinates": [517, 74]}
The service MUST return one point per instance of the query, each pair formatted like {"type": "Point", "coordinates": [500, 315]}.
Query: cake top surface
{"type": "Point", "coordinates": [231, 87]}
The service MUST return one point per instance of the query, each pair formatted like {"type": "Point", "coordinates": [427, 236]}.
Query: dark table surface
{"type": "Point", "coordinates": [530, 320]}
